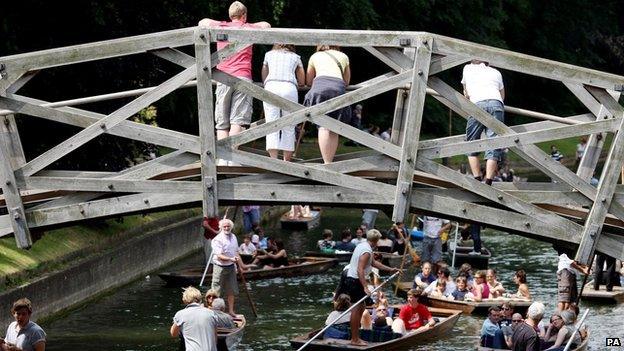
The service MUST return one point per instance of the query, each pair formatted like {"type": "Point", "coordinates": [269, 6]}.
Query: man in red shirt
{"type": "Point", "coordinates": [413, 315]}
{"type": "Point", "coordinates": [233, 108]}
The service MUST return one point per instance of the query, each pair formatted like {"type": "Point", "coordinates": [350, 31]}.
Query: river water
{"type": "Point", "coordinates": [138, 315]}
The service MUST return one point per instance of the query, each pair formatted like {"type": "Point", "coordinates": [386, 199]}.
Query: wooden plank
{"type": "Point", "coordinates": [305, 172]}
{"type": "Point", "coordinates": [9, 136]}
{"type": "Point", "coordinates": [525, 63]}
{"type": "Point", "coordinates": [383, 58]}
{"type": "Point", "coordinates": [97, 50]}
{"type": "Point", "coordinates": [83, 118]}
{"type": "Point", "coordinates": [411, 134]}
{"type": "Point", "coordinates": [606, 186]}
{"type": "Point", "coordinates": [110, 185]}
{"type": "Point", "coordinates": [559, 225]}
{"type": "Point", "coordinates": [509, 140]}
{"type": "Point", "coordinates": [312, 37]}
{"type": "Point", "coordinates": [210, 200]}
{"type": "Point", "coordinates": [15, 207]}
{"type": "Point", "coordinates": [441, 64]}
{"type": "Point", "coordinates": [108, 122]}
{"type": "Point", "coordinates": [400, 108]}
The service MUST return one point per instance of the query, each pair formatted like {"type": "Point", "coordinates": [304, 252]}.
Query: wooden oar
{"type": "Point", "coordinates": [251, 303]}
{"type": "Point", "coordinates": [347, 311]}
{"type": "Point", "coordinates": [407, 246]}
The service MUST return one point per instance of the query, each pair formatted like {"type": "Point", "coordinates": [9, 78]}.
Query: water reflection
{"type": "Point", "coordinates": [138, 316]}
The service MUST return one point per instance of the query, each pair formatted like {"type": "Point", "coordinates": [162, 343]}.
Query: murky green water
{"type": "Point", "coordinates": [138, 316]}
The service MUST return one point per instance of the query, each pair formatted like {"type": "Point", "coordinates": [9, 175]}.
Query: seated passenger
{"type": "Point", "coordinates": [345, 244]}
{"type": "Point", "coordinates": [210, 296]}
{"type": "Point", "coordinates": [378, 320]}
{"type": "Point", "coordinates": [495, 287]}
{"type": "Point", "coordinates": [553, 329]}
{"type": "Point", "coordinates": [480, 290]}
{"type": "Point", "coordinates": [491, 335]}
{"type": "Point", "coordinates": [566, 331]}
{"type": "Point", "coordinates": [440, 290]}
{"type": "Point", "coordinates": [222, 319]}
{"type": "Point", "coordinates": [258, 238]}
{"type": "Point", "coordinates": [523, 289]}
{"type": "Point", "coordinates": [413, 315]}
{"type": "Point", "coordinates": [398, 235]}
{"type": "Point", "coordinates": [327, 244]}
{"type": "Point", "coordinates": [359, 236]}
{"type": "Point", "coordinates": [462, 289]}
{"type": "Point", "coordinates": [384, 244]}
{"type": "Point", "coordinates": [424, 278]}
{"type": "Point", "coordinates": [466, 271]}
{"type": "Point", "coordinates": [443, 274]}
{"type": "Point", "coordinates": [340, 328]}
{"type": "Point", "coordinates": [275, 260]}
{"type": "Point", "coordinates": [247, 248]}
{"type": "Point", "coordinates": [507, 310]}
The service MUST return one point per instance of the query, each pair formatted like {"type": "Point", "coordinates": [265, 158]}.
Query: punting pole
{"type": "Point", "coordinates": [347, 311]}
{"type": "Point", "coordinates": [576, 329]}
{"type": "Point", "coordinates": [201, 282]}
{"type": "Point", "coordinates": [454, 248]}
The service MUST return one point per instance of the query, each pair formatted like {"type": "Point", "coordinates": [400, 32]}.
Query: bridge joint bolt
{"type": "Point", "coordinates": [110, 186]}
{"type": "Point", "coordinates": [307, 173]}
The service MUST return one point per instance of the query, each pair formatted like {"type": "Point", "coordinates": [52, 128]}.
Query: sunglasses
{"type": "Point", "coordinates": [381, 309]}
{"type": "Point", "coordinates": [516, 320]}
{"type": "Point", "coordinates": [505, 308]}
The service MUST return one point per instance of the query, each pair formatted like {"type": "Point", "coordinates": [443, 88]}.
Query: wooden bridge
{"type": "Point", "coordinates": [400, 175]}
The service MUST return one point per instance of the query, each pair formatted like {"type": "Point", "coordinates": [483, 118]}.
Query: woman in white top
{"type": "Point", "coordinates": [328, 75]}
{"type": "Point", "coordinates": [282, 73]}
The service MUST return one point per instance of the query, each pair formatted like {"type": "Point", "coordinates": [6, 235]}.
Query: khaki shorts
{"type": "Point", "coordinates": [566, 286]}
{"type": "Point", "coordinates": [224, 280]}
{"type": "Point", "coordinates": [232, 107]}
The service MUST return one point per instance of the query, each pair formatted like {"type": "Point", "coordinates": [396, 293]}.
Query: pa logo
{"type": "Point", "coordinates": [613, 342]}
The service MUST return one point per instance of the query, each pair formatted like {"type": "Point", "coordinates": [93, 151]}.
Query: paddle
{"type": "Point", "coordinates": [454, 248]}
{"type": "Point", "coordinates": [408, 247]}
{"type": "Point", "coordinates": [251, 303]}
{"type": "Point", "coordinates": [347, 311]}
{"type": "Point", "coordinates": [576, 329]}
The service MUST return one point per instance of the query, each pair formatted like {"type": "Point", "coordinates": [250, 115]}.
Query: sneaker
{"type": "Point", "coordinates": [473, 252]}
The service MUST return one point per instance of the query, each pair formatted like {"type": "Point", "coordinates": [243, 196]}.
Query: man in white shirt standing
{"type": "Point", "coordinates": [483, 85]}
{"type": "Point", "coordinates": [432, 243]}
{"type": "Point", "coordinates": [225, 258]}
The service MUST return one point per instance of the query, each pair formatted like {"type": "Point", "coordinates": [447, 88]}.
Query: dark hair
{"type": "Point", "coordinates": [342, 303]}
{"type": "Point", "coordinates": [493, 309]}
{"type": "Point", "coordinates": [415, 292]}
{"type": "Point", "coordinates": [279, 244]}
{"type": "Point", "coordinates": [521, 274]}
{"type": "Point", "coordinates": [346, 233]}
{"type": "Point", "coordinates": [445, 271]}
{"type": "Point", "coordinates": [327, 233]}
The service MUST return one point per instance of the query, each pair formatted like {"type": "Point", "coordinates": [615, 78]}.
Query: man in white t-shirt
{"type": "Point", "coordinates": [432, 243]}
{"type": "Point", "coordinates": [483, 85]}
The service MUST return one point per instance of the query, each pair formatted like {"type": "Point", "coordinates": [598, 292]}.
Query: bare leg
{"type": "Point", "coordinates": [475, 167]}
{"type": "Point", "coordinates": [287, 155]}
{"type": "Point", "coordinates": [490, 168]}
{"type": "Point", "coordinates": [328, 143]}
{"type": "Point", "coordinates": [230, 300]}
{"type": "Point", "coordinates": [222, 134]}
{"type": "Point", "coordinates": [367, 320]}
{"type": "Point", "coordinates": [356, 316]}
{"type": "Point", "coordinates": [273, 153]}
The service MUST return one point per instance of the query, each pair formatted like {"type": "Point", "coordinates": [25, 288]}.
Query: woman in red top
{"type": "Point", "coordinates": [413, 315]}
{"type": "Point", "coordinates": [480, 290]}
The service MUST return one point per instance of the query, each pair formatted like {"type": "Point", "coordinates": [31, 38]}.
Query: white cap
{"type": "Point", "coordinates": [255, 239]}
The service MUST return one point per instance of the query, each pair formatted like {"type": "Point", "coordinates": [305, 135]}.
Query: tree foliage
{"type": "Point", "coordinates": [575, 31]}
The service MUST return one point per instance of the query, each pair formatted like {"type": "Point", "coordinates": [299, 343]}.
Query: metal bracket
{"type": "Point", "coordinates": [405, 41]}
{"type": "Point", "coordinates": [619, 87]}
{"type": "Point", "coordinates": [222, 37]}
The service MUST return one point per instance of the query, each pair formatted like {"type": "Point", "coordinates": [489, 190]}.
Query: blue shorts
{"type": "Point", "coordinates": [474, 128]}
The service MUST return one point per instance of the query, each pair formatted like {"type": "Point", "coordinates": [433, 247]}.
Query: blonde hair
{"type": "Point", "coordinates": [237, 10]}
{"type": "Point", "coordinates": [190, 295]}
{"type": "Point", "coordinates": [373, 235]}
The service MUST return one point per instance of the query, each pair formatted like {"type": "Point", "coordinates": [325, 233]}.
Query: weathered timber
{"type": "Point", "coordinates": [15, 207]}
{"type": "Point", "coordinates": [400, 107]}
{"type": "Point", "coordinates": [606, 186]}
{"type": "Point", "coordinates": [411, 134]}
{"type": "Point", "coordinates": [110, 185]}
{"type": "Point", "coordinates": [208, 159]}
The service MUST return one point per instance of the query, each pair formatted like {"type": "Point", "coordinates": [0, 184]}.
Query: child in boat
{"type": "Point", "coordinates": [424, 278]}
{"type": "Point", "coordinates": [439, 290]}
{"type": "Point", "coordinates": [413, 315]}
{"type": "Point", "coordinates": [462, 289]}
{"type": "Point", "coordinates": [465, 270]}
{"type": "Point", "coordinates": [523, 288]}
{"type": "Point", "coordinates": [327, 244]}
{"type": "Point", "coordinates": [247, 247]}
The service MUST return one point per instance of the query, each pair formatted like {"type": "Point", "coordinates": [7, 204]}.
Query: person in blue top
{"type": "Point", "coordinates": [491, 335]}
{"type": "Point", "coordinates": [424, 278]}
{"type": "Point", "coordinates": [345, 243]}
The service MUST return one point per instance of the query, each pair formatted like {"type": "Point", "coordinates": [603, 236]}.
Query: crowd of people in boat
{"type": "Point", "coordinates": [392, 241]}
{"type": "Point", "coordinates": [506, 329]}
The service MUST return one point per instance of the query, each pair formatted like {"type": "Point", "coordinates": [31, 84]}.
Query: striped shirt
{"type": "Point", "coordinates": [282, 65]}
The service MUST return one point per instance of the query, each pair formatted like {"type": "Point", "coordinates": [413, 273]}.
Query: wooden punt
{"type": "Point", "coordinates": [602, 295]}
{"type": "Point", "coordinates": [303, 223]}
{"type": "Point", "coordinates": [447, 319]}
{"type": "Point", "coordinates": [466, 307]}
{"type": "Point", "coordinates": [391, 259]}
{"type": "Point", "coordinates": [581, 347]}
{"type": "Point", "coordinates": [297, 267]}
{"type": "Point", "coordinates": [476, 261]}
{"type": "Point", "coordinates": [228, 339]}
